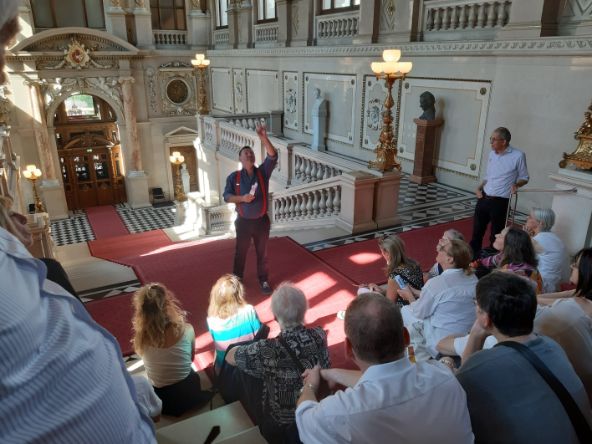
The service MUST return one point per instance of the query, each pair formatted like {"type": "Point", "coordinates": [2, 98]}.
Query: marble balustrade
{"type": "Point", "coordinates": [466, 15]}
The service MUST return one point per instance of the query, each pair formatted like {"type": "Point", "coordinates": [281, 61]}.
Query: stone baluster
{"type": "Point", "coordinates": [329, 201]}
{"type": "Point", "coordinates": [313, 171]}
{"type": "Point", "coordinates": [307, 169]}
{"type": "Point", "coordinates": [297, 163]}
{"type": "Point", "coordinates": [309, 199]}
{"type": "Point", "coordinates": [320, 169]}
{"type": "Point", "coordinates": [326, 172]}
{"type": "Point", "coordinates": [462, 19]}
{"type": "Point", "coordinates": [303, 206]}
{"type": "Point", "coordinates": [429, 25]}
{"type": "Point", "coordinates": [481, 16]}
{"type": "Point", "coordinates": [322, 203]}
{"type": "Point", "coordinates": [291, 207]}
{"type": "Point", "coordinates": [437, 19]}
{"type": "Point", "coordinates": [501, 14]}
{"type": "Point", "coordinates": [276, 208]}
{"type": "Point", "coordinates": [454, 19]}
{"type": "Point", "coordinates": [472, 16]}
{"type": "Point", "coordinates": [315, 203]}
{"type": "Point", "coordinates": [446, 19]}
{"type": "Point", "coordinates": [337, 199]}
{"type": "Point", "coordinates": [491, 15]}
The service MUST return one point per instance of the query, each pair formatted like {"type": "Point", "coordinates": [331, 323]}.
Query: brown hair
{"type": "Point", "coordinates": [395, 247]}
{"type": "Point", "coordinates": [155, 310]}
{"type": "Point", "coordinates": [226, 297]}
{"type": "Point", "coordinates": [461, 254]}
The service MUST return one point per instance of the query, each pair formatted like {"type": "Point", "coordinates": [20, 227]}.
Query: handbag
{"type": "Point", "coordinates": [577, 418]}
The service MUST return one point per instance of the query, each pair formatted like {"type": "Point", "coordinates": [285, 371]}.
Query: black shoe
{"type": "Point", "coordinates": [265, 287]}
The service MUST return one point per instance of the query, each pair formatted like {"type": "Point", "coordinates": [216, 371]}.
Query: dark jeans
{"type": "Point", "coordinates": [258, 230]}
{"type": "Point", "coordinates": [488, 209]}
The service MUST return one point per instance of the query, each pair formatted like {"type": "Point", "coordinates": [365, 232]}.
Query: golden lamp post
{"type": "Point", "coordinates": [389, 70]}
{"type": "Point", "coordinates": [33, 174]}
{"type": "Point", "coordinates": [201, 64]}
{"type": "Point", "coordinates": [177, 159]}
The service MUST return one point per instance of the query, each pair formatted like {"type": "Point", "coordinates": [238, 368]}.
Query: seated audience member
{"type": "Point", "coordinates": [569, 320]}
{"type": "Point", "coordinates": [230, 318]}
{"type": "Point", "coordinates": [271, 364]}
{"type": "Point", "coordinates": [508, 399]}
{"type": "Point", "coordinates": [397, 264]}
{"type": "Point", "coordinates": [389, 399]}
{"type": "Point", "coordinates": [448, 235]}
{"type": "Point", "coordinates": [516, 255]}
{"type": "Point", "coordinates": [166, 344]}
{"type": "Point", "coordinates": [551, 255]}
{"type": "Point", "coordinates": [17, 224]}
{"type": "Point", "coordinates": [445, 305]}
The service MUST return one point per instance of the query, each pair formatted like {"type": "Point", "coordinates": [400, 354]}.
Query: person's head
{"type": "Point", "coordinates": [8, 29]}
{"type": "Point", "coordinates": [455, 254]}
{"type": "Point", "coordinates": [374, 329]}
{"type": "Point", "coordinates": [246, 155]}
{"type": "Point", "coordinates": [500, 139]}
{"type": "Point", "coordinates": [540, 219]}
{"type": "Point", "coordinates": [449, 235]}
{"type": "Point", "coordinates": [288, 305]}
{"type": "Point", "coordinates": [507, 302]}
{"type": "Point", "coordinates": [393, 250]}
{"type": "Point", "coordinates": [15, 223]}
{"type": "Point", "coordinates": [427, 100]}
{"type": "Point", "coordinates": [226, 297]}
{"type": "Point", "coordinates": [518, 248]}
{"type": "Point", "coordinates": [581, 273]}
{"type": "Point", "coordinates": [155, 310]}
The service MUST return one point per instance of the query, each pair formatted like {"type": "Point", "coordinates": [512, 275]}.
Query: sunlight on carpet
{"type": "Point", "coordinates": [366, 258]}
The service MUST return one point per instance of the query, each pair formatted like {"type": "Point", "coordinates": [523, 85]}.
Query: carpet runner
{"type": "Point", "coordinates": [105, 222]}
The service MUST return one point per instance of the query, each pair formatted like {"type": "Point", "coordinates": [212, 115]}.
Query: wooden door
{"type": "Point", "coordinates": [191, 162]}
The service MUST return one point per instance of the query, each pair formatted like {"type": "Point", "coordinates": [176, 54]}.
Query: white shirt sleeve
{"type": "Point", "coordinates": [424, 306]}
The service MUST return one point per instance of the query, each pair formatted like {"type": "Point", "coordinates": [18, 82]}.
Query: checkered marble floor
{"type": "Point", "coordinates": [73, 230]}
{"type": "Point", "coordinates": [146, 219]}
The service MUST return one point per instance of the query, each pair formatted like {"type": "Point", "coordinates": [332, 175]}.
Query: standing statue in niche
{"type": "Point", "coordinates": [185, 178]}
{"type": "Point", "coordinates": [427, 102]}
{"type": "Point", "coordinates": [320, 116]}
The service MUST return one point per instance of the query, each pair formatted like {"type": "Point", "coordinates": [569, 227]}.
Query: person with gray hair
{"type": "Point", "coordinates": [388, 399]}
{"type": "Point", "coordinates": [550, 248]}
{"type": "Point", "coordinates": [275, 364]}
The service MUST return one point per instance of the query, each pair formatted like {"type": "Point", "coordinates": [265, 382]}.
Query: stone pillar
{"type": "Point", "coordinates": [143, 25]}
{"type": "Point", "coordinates": [53, 190]}
{"type": "Point", "coordinates": [527, 19]}
{"type": "Point", "coordinates": [573, 209]}
{"type": "Point", "coordinates": [115, 19]}
{"type": "Point", "coordinates": [233, 24]}
{"type": "Point", "coordinates": [245, 25]}
{"type": "Point", "coordinates": [386, 198]}
{"type": "Point", "coordinates": [368, 22]}
{"type": "Point", "coordinates": [136, 180]}
{"type": "Point", "coordinates": [400, 21]}
{"type": "Point", "coordinates": [199, 33]}
{"type": "Point", "coordinates": [426, 141]}
{"type": "Point", "coordinates": [40, 130]}
{"type": "Point", "coordinates": [302, 20]}
{"type": "Point", "coordinates": [283, 11]}
{"type": "Point", "coordinates": [357, 202]}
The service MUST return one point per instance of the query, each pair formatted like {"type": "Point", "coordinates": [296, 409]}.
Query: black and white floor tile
{"type": "Point", "coordinates": [110, 290]}
{"type": "Point", "coordinates": [146, 219]}
{"type": "Point", "coordinates": [73, 230]}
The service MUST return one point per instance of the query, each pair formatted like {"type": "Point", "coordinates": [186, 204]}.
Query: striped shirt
{"type": "Point", "coordinates": [62, 379]}
{"type": "Point", "coordinates": [242, 326]}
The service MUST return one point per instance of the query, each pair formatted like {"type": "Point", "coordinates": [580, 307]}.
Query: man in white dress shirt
{"type": "Point", "coordinates": [506, 172]}
{"type": "Point", "coordinates": [389, 399]}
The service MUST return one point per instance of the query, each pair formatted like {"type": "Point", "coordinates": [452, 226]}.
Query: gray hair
{"type": "Point", "coordinates": [453, 234]}
{"type": "Point", "coordinates": [546, 217]}
{"type": "Point", "coordinates": [504, 133]}
{"type": "Point", "coordinates": [288, 305]}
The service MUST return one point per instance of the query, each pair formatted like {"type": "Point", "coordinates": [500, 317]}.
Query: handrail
{"type": "Point", "coordinates": [532, 190]}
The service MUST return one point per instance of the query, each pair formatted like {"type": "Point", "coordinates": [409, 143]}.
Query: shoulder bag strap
{"type": "Point", "coordinates": [237, 182]}
{"type": "Point", "coordinates": [572, 409]}
{"type": "Point", "coordinates": [292, 354]}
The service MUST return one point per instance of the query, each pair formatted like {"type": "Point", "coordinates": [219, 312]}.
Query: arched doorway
{"type": "Point", "coordinates": [89, 152]}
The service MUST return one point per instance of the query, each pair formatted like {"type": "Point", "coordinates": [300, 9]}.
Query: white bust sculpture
{"type": "Point", "coordinates": [185, 178]}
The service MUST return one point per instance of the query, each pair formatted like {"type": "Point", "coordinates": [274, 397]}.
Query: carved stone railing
{"type": "Point", "coordinates": [309, 202]}
{"type": "Point", "coordinates": [310, 166]}
{"type": "Point", "coordinates": [168, 38]}
{"type": "Point", "coordinates": [340, 27]}
{"type": "Point", "coordinates": [221, 37]}
{"type": "Point", "coordinates": [233, 138]}
{"type": "Point", "coordinates": [219, 218]}
{"type": "Point", "coordinates": [266, 34]}
{"type": "Point", "coordinates": [479, 17]}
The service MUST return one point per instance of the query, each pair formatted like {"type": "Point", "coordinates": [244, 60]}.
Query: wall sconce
{"type": "Point", "coordinates": [389, 70]}
{"type": "Point", "coordinates": [201, 64]}
{"type": "Point", "coordinates": [177, 159]}
{"type": "Point", "coordinates": [33, 174]}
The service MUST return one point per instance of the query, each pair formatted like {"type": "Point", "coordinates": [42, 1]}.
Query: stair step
{"type": "Point", "coordinates": [250, 436]}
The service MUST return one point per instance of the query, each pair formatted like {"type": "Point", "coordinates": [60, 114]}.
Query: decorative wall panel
{"type": "Point", "coordinates": [222, 88]}
{"type": "Point", "coordinates": [292, 100]}
{"type": "Point", "coordinates": [463, 105]}
{"type": "Point", "coordinates": [340, 92]}
{"type": "Point", "coordinates": [240, 92]}
{"type": "Point", "coordinates": [374, 96]}
{"type": "Point", "coordinates": [262, 91]}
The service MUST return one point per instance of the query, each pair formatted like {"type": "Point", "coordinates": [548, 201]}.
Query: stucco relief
{"type": "Point", "coordinates": [373, 106]}
{"type": "Point", "coordinates": [151, 90]}
{"type": "Point", "coordinates": [577, 8]}
{"type": "Point", "coordinates": [176, 85]}
{"type": "Point", "coordinates": [240, 99]}
{"type": "Point", "coordinates": [291, 96]}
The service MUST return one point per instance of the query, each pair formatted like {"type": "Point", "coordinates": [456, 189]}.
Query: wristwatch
{"type": "Point", "coordinates": [310, 386]}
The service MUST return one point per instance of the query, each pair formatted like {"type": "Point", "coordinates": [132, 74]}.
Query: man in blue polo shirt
{"type": "Point", "coordinates": [248, 188]}
{"type": "Point", "coordinates": [506, 172]}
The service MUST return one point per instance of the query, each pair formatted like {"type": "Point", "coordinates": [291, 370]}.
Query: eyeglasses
{"type": "Point", "coordinates": [494, 139]}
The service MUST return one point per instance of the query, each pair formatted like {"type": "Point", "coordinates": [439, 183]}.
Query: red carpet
{"type": "Point", "coordinates": [190, 269]}
{"type": "Point", "coordinates": [105, 222]}
{"type": "Point", "coordinates": [117, 248]}
{"type": "Point", "coordinates": [363, 263]}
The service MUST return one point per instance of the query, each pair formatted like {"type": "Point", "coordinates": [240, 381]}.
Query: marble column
{"type": "Point", "coordinates": [199, 33]}
{"type": "Point", "coordinates": [368, 24]}
{"type": "Point", "coordinates": [284, 16]}
{"type": "Point", "coordinates": [40, 130]}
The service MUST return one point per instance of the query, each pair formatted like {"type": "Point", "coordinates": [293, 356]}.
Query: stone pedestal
{"type": "Point", "coordinates": [386, 197]}
{"type": "Point", "coordinates": [357, 202]}
{"type": "Point", "coordinates": [189, 217]}
{"type": "Point", "coordinates": [573, 209]}
{"type": "Point", "coordinates": [55, 199]}
{"type": "Point", "coordinates": [425, 146]}
{"type": "Point", "coordinates": [115, 22]}
{"type": "Point", "coordinates": [136, 187]}
{"type": "Point", "coordinates": [198, 29]}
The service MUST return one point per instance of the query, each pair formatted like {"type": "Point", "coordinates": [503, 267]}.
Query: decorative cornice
{"type": "Point", "coordinates": [567, 46]}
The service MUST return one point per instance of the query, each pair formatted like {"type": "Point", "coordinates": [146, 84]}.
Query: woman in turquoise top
{"type": "Point", "coordinates": [230, 318]}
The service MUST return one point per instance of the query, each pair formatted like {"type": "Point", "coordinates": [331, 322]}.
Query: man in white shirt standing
{"type": "Point", "coordinates": [506, 172]}
{"type": "Point", "coordinates": [389, 399]}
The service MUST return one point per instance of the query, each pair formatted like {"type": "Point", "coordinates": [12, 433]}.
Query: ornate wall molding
{"type": "Point", "coordinates": [291, 100]}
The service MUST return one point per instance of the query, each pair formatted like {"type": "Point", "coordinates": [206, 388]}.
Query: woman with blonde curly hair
{"type": "Point", "coordinates": [230, 318]}
{"type": "Point", "coordinates": [166, 343]}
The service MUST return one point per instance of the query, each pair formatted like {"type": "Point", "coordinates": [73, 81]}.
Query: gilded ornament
{"type": "Point", "coordinates": [582, 157]}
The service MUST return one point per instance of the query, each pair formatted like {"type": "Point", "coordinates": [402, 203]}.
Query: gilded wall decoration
{"type": "Point", "coordinates": [340, 91]}
{"type": "Point", "coordinates": [76, 56]}
{"type": "Point", "coordinates": [177, 92]}
{"type": "Point", "coordinates": [291, 100]}
{"type": "Point", "coordinates": [373, 106]}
